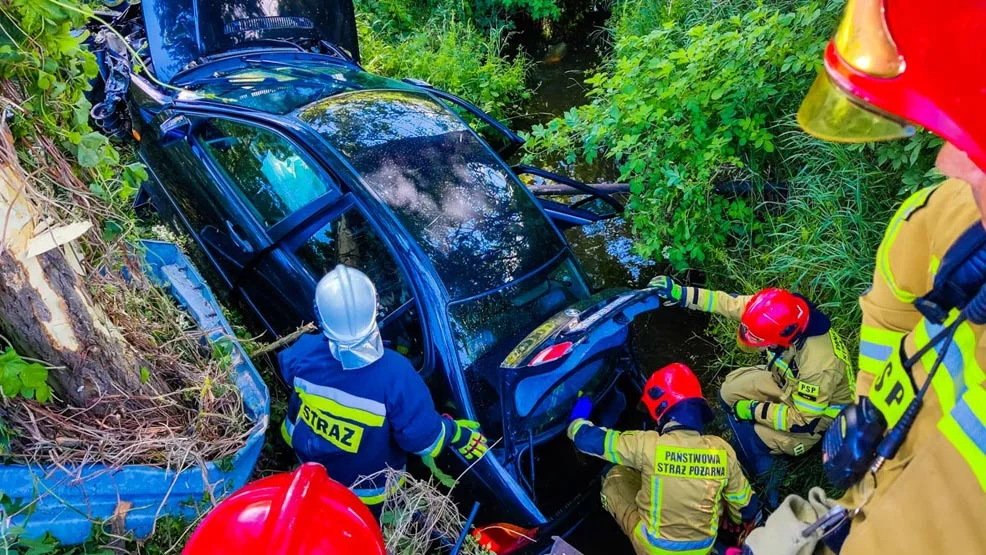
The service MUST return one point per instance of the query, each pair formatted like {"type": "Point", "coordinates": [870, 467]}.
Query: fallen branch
{"type": "Point", "coordinates": [289, 338]}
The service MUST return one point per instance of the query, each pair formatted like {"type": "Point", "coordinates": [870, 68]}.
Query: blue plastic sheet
{"type": "Point", "coordinates": [66, 502]}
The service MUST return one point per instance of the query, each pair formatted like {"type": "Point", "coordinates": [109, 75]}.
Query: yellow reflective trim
{"type": "Point", "coordinates": [380, 498]}
{"type": "Point", "coordinates": [684, 462]}
{"type": "Point", "coordinates": [880, 342]}
{"type": "Point", "coordinates": [334, 408]}
{"type": "Point", "coordinates": [342, 434]}
{"type": "Point", "coordinates": [652, 549]}
{"type": "Point", "coordinates": [610, 447]}
{"type": "Point", "coordinates": [917, 200]}
{"type": "Point", "coordinates": [871, 366]}
{"type": "Point", "coordinates": [785, 367]}
{"type": "Point", "coordinates": [934, 265]}
{"type": "Point", "coordinates": [780, 418]}
{"type": "Point", "coordinates": [965, 341]}
{"type": "Point", "coordinates": [656, 491]}
{"type": "Point", "coordinates": [710, 303]}
{"type": "Point", "coordinates": [285, 434]}
{"type": "Point", "coordinates": [969, 439]}
{"type": "Point", "coordinates": [808, 407]}
{"type": "Point", "coordinates": [743, 497]}
{"type": "Point", "coordinates": [842, 353]}
{"type": "Point", "coordinates": [975, 458]}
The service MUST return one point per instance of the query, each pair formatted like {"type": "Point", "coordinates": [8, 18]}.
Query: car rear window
{"type": "Point", "coordinates": [460, 202]}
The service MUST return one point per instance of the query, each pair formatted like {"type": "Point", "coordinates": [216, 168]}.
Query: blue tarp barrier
{"type": "Point", "coordinates": [67, 501]}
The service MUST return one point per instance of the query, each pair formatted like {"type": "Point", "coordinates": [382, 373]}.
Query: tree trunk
{"type": "Point", "coordinates": [44, 309]}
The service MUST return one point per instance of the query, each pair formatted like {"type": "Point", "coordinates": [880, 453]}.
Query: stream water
{"type": "Point", "coordinates": [605, 249]}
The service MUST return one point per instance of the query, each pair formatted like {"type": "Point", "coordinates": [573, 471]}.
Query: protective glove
{"type": "Point", "coordinates": [582, 409]}
{"type": "Point", "coordinates": [667, 289]}
{"type": "Point", "coordinates": [468, 440]}
{"type": "Point", "coordinates": [744, 409]}
{"type": "Point", "coordinates": [781, 535]}
{"type": "Point", "coordinates": [732, 533]}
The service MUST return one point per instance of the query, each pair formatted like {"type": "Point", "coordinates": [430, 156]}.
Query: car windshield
{"type": "Point", "coordinates": [460, 202]}
{"type": "Point", "coordinates": [278, 86]}
{"type": "Point", "coordinates": [487, 328]}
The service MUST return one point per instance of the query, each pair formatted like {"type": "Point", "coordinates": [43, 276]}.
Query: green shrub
{"type": "Point", "coordinates": [697, 94]}
{"type": "Point", "coordinates": [681, 110]}
{"type": "Point", "coordinates": [446, 50]}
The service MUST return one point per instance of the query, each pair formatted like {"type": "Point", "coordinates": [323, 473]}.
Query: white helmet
{"type": "Point", "coordinates": [346, 308]}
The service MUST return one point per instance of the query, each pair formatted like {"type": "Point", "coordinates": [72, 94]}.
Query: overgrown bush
{"type": "Point", "coordinates": [700, 97]}
{"type": "Point", "coordinates": [681, 110]}
{"type": "Point", "coordinates": [445, 48]}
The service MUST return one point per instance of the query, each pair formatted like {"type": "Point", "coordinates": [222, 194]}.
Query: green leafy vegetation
{"type": "Point", "coordinates": [439, 42]}
{"type": "Point", "coordinates": [40, 52]}
{"type": "Point", "coordinates": [170, 536]}
{"type": "Point", "coordinates": [695, 107]}
{"type": "Point", "coordinates": [21, 377]}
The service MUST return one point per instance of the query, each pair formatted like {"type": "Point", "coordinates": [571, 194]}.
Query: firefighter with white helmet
{"type": "Point", "coordinates": [357, 407]}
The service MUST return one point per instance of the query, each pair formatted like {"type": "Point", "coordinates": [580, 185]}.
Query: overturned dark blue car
{"type": "Point", "coordinates": [269, 145]}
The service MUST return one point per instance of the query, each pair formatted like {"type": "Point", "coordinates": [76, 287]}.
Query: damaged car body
{"type": "Point", "coordinates": [281, 157]}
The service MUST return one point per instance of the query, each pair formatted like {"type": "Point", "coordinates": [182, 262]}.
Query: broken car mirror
{"type": "Point", "coordinates": [174, 129]}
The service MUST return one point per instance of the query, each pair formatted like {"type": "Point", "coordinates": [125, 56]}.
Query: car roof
{"type": "Point", "coordinates": [277, 82]}
{"type": "Point", "coordinates": [459, 202]}
{"type": "Point", "coordinates": [179, 32]}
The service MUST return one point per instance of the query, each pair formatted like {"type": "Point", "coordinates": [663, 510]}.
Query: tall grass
{"type": "Point", "coordinates": [821, 239]}
{"type": "Point", "coordinates": [439, 43]}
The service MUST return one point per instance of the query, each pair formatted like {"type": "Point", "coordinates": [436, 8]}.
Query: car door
{"type": "Point", "coordinates": [231, 182]}
{"type": "Point", "coordinates": [268, 184]}
{"type": "Point", "coordinates": [343, 235]}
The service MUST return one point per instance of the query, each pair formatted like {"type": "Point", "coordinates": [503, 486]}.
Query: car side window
{"type": "Point", "coordinates": [350, 239]}
{"type": "Point", "coordinates": [269, 172]}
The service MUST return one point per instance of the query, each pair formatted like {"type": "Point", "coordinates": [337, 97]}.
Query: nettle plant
{"type": "Point", "coordinates": [683, 110]}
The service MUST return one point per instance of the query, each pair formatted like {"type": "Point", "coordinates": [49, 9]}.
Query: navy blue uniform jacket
{"type": "Point", "coordinates": [357, 422]}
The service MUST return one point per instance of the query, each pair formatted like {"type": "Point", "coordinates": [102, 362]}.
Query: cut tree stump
{"type": "Point", "coordinates": [45, 310]}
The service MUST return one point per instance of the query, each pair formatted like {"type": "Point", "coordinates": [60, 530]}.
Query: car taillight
{"type": "Point", "coordinates": [503, 538]}
{"type": "Point", "coordinates": [551, 354]}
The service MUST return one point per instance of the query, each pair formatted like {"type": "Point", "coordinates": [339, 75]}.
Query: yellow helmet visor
{"type": "Point", "coordinates": [832, 114]}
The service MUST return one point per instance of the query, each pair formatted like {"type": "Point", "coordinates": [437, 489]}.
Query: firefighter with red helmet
{"type": "Point", "coordinates": [669, 487]}
{"type": "Point", "coordinates": [298, 513]}
{"type": "Point", "coordinates": [785, 405]}
{"type": "Point", "coordinates": [893, 65]}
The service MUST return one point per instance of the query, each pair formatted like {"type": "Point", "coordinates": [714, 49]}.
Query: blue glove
{"type": "Point", "coordinates": [582, 409]}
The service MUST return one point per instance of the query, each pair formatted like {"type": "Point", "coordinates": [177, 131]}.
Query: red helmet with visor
{"type": "Point", "coordinates": [669, 386]}
{"type": "Point", "coordinates": [896, 64]}
{"type": "Point", "coordinates": [773, 318]}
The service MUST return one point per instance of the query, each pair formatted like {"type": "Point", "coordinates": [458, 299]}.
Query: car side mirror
{"type": "Point", "coordinates": [174, 129]}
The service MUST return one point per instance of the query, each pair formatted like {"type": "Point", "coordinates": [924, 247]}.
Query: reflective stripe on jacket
{"type": "Point", "coordinates": [931, 497]}
{"type": "Point", "coordinates": [815, 374]}
{"type": "Point", "coordinates": [357, 422]}
{"type": "Point", "coordinates": [688, 479]}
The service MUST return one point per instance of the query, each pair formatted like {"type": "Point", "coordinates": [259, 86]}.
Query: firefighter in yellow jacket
{"type": "Point", "coordinates": [669, 487]}
{"type": "Point", "coordinates": [785, 405]}
{"type": "Point", "coordinates": [922, 489]}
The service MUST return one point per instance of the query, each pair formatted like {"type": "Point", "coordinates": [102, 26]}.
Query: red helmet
{"type": "Point", "coordinates": [669, 386]}
{"type": "Point", "coordinates": [297, 513]}
{"type": "Point", "coordinates": [773, 317]}
{"type": "Point", "coordinates": [896, 63]}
